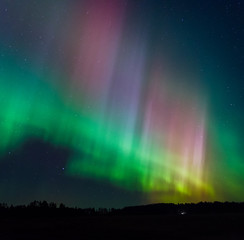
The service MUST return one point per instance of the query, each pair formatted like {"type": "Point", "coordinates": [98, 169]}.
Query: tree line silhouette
{"type": "Point", "coordinates": [43, 208]}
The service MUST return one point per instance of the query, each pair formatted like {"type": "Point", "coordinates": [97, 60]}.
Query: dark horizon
{"type": "Point", "coordinates": [204, 221]}
{"type": "Point", "coordinates": [154, 206]}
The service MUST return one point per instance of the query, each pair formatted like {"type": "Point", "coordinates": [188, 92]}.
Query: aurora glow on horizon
{"type": "Point", "coordinates": [120, 86]}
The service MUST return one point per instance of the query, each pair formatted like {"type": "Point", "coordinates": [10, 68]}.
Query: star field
{"type": "Point", "coordinates": [109, 103]}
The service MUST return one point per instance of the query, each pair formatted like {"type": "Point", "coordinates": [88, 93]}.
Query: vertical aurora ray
{"type": "Point", "coordinates": [109, 98]}
{"type": "Point", "coordinates": [140, 143]}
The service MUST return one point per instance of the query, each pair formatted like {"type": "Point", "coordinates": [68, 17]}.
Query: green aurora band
{"type": "Point", "coordinates": [123, 118]}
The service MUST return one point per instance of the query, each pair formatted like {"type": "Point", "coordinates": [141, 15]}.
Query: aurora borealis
{"type": "Point", "coordinates": [115, 102]}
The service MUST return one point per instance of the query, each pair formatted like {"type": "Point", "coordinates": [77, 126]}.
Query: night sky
{"type": "Point", "coordinates": [108, 103]}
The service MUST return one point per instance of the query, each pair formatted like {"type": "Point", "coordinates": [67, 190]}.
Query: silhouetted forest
{"type": "Point", "coordinates": [42, 220]}
{"type": "Point", "coordinates": [52, 209]}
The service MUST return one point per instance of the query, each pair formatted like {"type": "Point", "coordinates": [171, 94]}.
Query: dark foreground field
{"type": "Point", "coordinates": [218, 226]}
